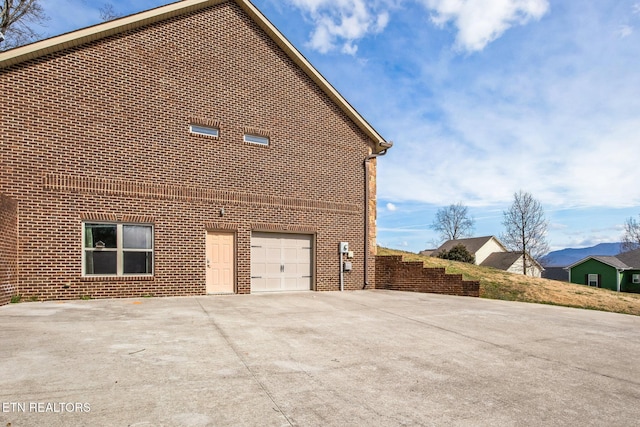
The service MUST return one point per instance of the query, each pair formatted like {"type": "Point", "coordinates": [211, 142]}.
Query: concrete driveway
{"type": "Point", "coordinates": [316, 359]}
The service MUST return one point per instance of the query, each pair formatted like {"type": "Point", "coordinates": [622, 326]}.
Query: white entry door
{"type": "Point", "coordinates": [281, 262]}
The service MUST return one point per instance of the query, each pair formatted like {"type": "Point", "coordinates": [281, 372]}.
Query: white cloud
{"type": "Point", "coordinates": [480, 22]}
{"type": "Point", "coordinates": [483, 156]}
{"type": "Point", "coordinates": [636, 8]}
{"type": "Point", "coordinates": [340, 24]}
{"type": "Point", "coordinates": [391, 207]}
{"type": "Point", "coordinates": [349, 48]}
{"type": "Point", "coordinates": [381, 22]}
{"type": "Point", "coordinates": [554, 114]}
{"type": "Point", "coordinates": [322, 40]}
{"type": "Point", "coordinates": [624, 31]}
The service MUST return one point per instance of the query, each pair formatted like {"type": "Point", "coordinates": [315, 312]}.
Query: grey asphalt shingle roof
{"type": "Point", "coordinates": [611, 260]}
{"type": "Point", "coordinates": [625, 261]}
{"type": "Point", "coordinates": [556, 273]}
{"type": "Point", "coordinates": [501, 260]}
{"type": "Point", "coordinates": [473, 244]}
{"type": "Point", "coordinates": [631, 258]}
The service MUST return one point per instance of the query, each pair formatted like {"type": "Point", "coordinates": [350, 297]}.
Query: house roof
{"type": "Point", "coordinates": [501, 260]}
{"type": "Point", "coordinates": [556, 273]}
{"type": "Point", "coordinates": [504, 260]}
{"type": "Point", "coordinates": [630, 258]}
{"type": "Point", "coordinates": [473, 244]}
{"type": "Point", "coordinates": [608, 260]}
{"type": "Point", "coordinates": [117, 26]}
{"type": "Point", "coordinates": [427, 252]}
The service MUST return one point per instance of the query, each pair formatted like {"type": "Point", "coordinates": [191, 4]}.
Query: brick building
{"type": "Point", "coordinates": [185, 150]}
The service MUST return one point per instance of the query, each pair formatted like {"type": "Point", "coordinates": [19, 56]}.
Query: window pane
{"type": "Point", "coordinates": [137, 237]}
{"type": "Point", "coordinates": [256, 139]}
{"type": "Point", "coordinates": [100, 235]}
{"type": "Point", "coordinates": [100, 262]}
{"type": "Point", "coordinates": [204, 130]}
{"type": "Point", "coordinates": [138, 262]}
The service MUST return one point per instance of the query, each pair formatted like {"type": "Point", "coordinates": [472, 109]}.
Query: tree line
{"type": "Point", "coordinates": [525, 228]}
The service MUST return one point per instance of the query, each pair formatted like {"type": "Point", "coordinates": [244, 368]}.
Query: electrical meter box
{"type": "Point", "coordinates": [347, 266]}
{"type": "Point", "coordinates": [344, 247]}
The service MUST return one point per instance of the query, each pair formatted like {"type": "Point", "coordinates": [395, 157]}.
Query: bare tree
{"type": "Point", "coordinates": [108, 12]}
{"type": "Point", "coordinates": [631, 236]}
{"type": "Point", "coordinates": [526, 228]}
{"type": "Point", "coordinates": [453, 222]}
{"type": "Point", "coordinates": [18, 18]}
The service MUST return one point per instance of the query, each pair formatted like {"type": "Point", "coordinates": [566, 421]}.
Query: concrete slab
{"type": "Point", "coordinates": [355, 358]}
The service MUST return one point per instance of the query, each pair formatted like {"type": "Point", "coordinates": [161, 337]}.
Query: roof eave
{"type": "Point", "coordinates": [595, 258]}
{"type": "Point", "coordinates": [578, 262]}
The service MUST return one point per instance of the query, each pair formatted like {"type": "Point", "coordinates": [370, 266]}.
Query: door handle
{"type": "Point", "coordinates": [208, 263]}
{"type": "Point", "coordinates": [282, 268]}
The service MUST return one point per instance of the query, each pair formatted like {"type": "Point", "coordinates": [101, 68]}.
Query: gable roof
{"type": "Point", "coordinates": [608, 260]}
{"type": "Point", "coordinates": [556, 273]}
{"type": "Point", "coordinates": [117, 26]}
{"type": "Point", "coordinates": [473, 244]}
{"type": "Point", "coordinates": [501, 260]}
{"type": "Point", "coordinates": [630, 258]}
{"type": "Point", "coordinates": [427, 252]}
{"type": "Point", "coordinates": [504, 260]}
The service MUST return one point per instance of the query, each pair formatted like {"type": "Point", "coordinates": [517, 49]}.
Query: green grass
{"type": "Point", "coordinates": [498, 284]}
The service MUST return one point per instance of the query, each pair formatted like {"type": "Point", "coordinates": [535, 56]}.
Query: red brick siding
{"type": "Point", "coordinates": [8, 249]}
{"type": "Point", "coordinates": [395, 274]}
{"type": "Point", "coordinates": [101, 131]}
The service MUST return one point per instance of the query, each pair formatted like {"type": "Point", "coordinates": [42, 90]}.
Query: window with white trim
{"type": "Point", "coordinates": [635, 278]}
{"type": "Point", "coordinates": [117, 249]}
{"type": "Point", "coordinates": [593, 280]}
{"type": "Point", "coordinates": [211, 131]}
{"type": "Point", "coordinates": [256, 139]}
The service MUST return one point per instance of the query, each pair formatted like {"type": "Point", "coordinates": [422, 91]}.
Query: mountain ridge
{"type": "Point", "coordinates": [568, 256]}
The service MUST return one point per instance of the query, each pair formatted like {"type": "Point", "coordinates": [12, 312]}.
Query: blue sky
{"type": "Point", "coordinates": [482, 98]}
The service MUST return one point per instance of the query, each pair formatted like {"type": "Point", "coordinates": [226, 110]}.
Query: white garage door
{"type": "Point", "coordinates": [280, 262]}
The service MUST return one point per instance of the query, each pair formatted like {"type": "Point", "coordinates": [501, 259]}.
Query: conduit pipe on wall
{"type": "Point", "coordinates": [386, 146]}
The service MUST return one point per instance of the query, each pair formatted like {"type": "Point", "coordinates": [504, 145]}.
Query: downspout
{"type": "Point", "coordinates": [386, 146]}
{"type": "Point", "coordinates": [618, 273]}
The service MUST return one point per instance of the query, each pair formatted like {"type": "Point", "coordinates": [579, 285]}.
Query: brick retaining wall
{"type": "Point", "coordinates": [395, 274]}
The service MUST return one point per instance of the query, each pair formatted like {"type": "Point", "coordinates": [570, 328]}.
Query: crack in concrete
{"type": "Point", "coordinates": [244, 362]}
{"type": "Point", "coordinates": [505, 347]}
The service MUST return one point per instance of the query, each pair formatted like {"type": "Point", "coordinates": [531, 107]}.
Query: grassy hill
{"type": "Point", "coordinates": [498, 284]}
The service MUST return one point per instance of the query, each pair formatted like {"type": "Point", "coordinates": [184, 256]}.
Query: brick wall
{"type": "Point", "coordinates": [8, 249]}
{"type": "Point", "coordinates": [395, 274]}
{"type": "Point", "coordinates": [100, 132]}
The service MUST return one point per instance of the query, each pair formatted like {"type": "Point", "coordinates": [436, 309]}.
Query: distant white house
{"type": "Point", "coordinates": [490, 252]}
